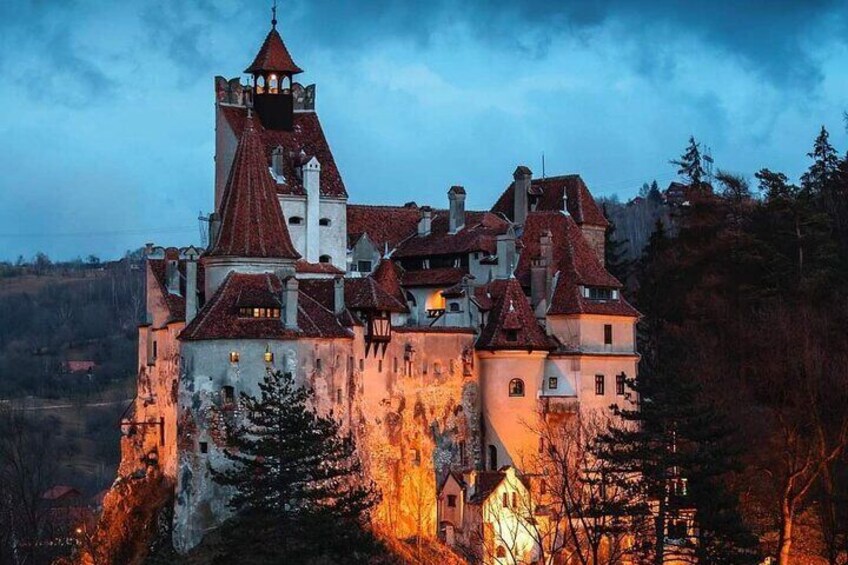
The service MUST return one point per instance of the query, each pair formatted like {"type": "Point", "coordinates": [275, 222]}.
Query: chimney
{"type": "Point", "coordinates": [565, 200]}
{"type": "Point", "coordinates": [506, 254]}
{"type": "Point", "coordinates": [172, 276]}
{"type": "Point", "coordinates": [521, 177]}
{"type": "Point", "coordinates": [456, 197]}
{"type": "Point", "coordinates": [311, 175]}
{"type": "Point", "coordinates": [425, 221]}
{"type": "Point", "coordinates": [214, 228]}
{"type": "Point", "coordinates": [277, 164]}
{"type": "Point", "coordinates": [290, 303]}
{"type": "Point", "coordinates": [338, 295]}
{"type": "Point", "coordinates": [541, 269]}
{"type": "Point", "coordinates": [191, 255]}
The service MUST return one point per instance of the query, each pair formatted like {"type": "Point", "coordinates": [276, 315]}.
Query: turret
{"type": "Point", "coordinates": [273, 70]}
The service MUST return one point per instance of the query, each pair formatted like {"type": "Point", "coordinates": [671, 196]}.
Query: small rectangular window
{"type": "Point", "coordinates": [362, 365]}
{"type": "Point", "coordinates": [452, 501]}
{"type": "Point", "coordinates": [204, 447]}
{"type": "Point", "coordinates": [607, 334]}
{"type": "Point", "coordinates": [514, 499]}
{"type": "Point", "coordinates": [155, 350]}
{"type": "Point", "coordinates": [379, 365]}
{"type": "Point", "coordinates": [599, 385]}
{"type": "Point", "coordinates": [338, 396]}
{"type": "Point", "coordinates": [234, 357]}
{"type": "Point", "coordinates": [318, 364]}
{"type": "Point", "coordinates": [396, 365]}
{"type": "Point", "coordinates": [506, 500]}
{"type": "Point", "coordinates": [619, 384]}
{"type": "Point", "coordinates": [363, 266]}
{"type": "Point", "coordinates": [553, 382]}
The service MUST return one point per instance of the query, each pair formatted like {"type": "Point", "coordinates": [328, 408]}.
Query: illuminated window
{"type": "Point", "coordinates": [234, 357]}
{"type": "Point", "coordinates": [325, 259]}
{"type": "Point", "coordinates": [620, 381]}
{"type": "Point", "coordinates": [599, 385]}
{"type": "Point", "coordinates": [268, 356]}
{"type": "Point", "coordinates": [324, 222]}
{"type": "Point", "coordinates": [553, 382]}
{"type": "Point", "coordinates": [295, 221]}
{"type": "Point", "coordinates": [452, 500]}
{"type": "Point", "coordinates": [257, 312]}
{"type": "Point", "coordinates": [516, 387]}
{"type": "Point", "coordinates": [595, 293]}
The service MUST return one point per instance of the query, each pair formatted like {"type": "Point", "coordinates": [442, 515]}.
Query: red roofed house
{"type": "Point", "coordinates": [434, 334]}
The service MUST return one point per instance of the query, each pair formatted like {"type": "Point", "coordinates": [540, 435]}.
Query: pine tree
{"type": "Point", "coordinates": [297, 482]}
{"type": "Point", "coordinates": [615, 251]}
{"type": "Point", "coordinates": [689, 164]}
{"type": "Point", "coordinates": [825, 164]}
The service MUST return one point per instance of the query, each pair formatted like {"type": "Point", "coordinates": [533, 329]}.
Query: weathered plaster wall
{"type": "Point", "coordinates": [418, 417]}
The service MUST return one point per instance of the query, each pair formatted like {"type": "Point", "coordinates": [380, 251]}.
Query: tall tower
{"type": "Point", "coordinates": [273, 70]}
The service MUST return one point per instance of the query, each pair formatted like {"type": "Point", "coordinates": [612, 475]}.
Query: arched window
{"type": "Point", "coordinates": [295, 221]}
{"type": "Point", "coordinates": [411, 299]}
{"type": "Point", "coordinates": [324, 222]}
{"type": "Point", "coordinates": [516, 387]}
{"type": "Point", "coordinates": [229, 394]}
{"type": "Point", "coordinates": [260, 84]}
{"type": "Point", "coordinates": [454, 306]}
{"type": "Point", "coordinates": [272, 84]}
{"type": "Point", "coordinates": [500, 552]}
{"type": "Point", "coordinates": [325, 259]}
{"type": "Point", "coordinates": [493, 458]}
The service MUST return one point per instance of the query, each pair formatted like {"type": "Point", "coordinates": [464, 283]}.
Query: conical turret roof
{"type": "Point", "coordinates": [273, 57]}
{"type": "Point", "coordinates": [252, 223]}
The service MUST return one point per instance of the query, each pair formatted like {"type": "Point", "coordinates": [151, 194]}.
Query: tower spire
{"type": "Point", "coordinates": [274, 15]}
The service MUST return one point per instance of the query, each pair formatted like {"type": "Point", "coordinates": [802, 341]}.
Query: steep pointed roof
{"type": "Point", "coordinates": [273, 57]}
{"type": "Point", "coordinates": [511, 317]}
{"type": "Point", "coordinates": [252, 223]}
{"type": "Point", "coordinates": [386, 276]}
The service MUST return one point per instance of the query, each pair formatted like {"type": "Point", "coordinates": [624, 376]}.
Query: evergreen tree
{"type": "Point", "coordinates": [615, 251]}
{"type": "Point", "coordinates": [825, 165]}
{"type": "Point", "coordinates": [689, 164]}
{"type": "Point", "coordinates": [297, 483]}
{"type": "Point", "coordinates": [654, 194]}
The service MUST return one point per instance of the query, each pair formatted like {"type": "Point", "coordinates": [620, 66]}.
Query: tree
{"type": "Point", "coordinates": [689, 164]}
{"type": "Point", "coordinates": [296, 480]}
{"type": "Point", "coordinates": [614, 250]}
{"type": "Point", "coordinates": [825, 164]}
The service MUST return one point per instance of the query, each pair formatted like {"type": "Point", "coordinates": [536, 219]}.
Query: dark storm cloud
{"type": "Point", "coordinates": [770, 35]}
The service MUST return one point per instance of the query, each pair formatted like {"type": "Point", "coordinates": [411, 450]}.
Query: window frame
{"type": "Point", "coordinates": [620, 384]}
{"type": "Point", "coordinates": [517, 391]}
{"type": "Point", "coordinates": [600, 385]}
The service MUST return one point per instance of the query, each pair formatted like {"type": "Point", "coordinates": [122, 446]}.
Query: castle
{"type": "Point", "coordinates": [434, 334]}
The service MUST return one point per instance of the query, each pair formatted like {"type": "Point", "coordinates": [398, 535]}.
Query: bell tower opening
{"type": "Point", "coordinates": [273, 73]}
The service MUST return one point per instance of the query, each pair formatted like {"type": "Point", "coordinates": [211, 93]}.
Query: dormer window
{"type": "Point", "coordinates": [324, 222]}
{"type": "Point", "coordinates": [295, 221]}
{"type": "Point", "coordinates": [248, 312]}
{"type": "Point", "coordinates": [325, 259]}
{"type": "Point", "coordinates": [598, 293]}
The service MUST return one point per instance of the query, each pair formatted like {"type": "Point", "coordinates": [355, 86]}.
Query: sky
{"type": "Point", "coordinates": [107, 108]}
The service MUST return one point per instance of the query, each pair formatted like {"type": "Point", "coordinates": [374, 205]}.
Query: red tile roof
{"type": "Point", "coordinates": [252, 223]}
{"type": "Point", "coordinates": [273, 57]}
{"type": "Point", "coordinates": [385, 225]}
{"type": "Point", "coordinates": [485, 484]}
{"type": "Point", "coordinates": [479, 234]}
{"type": "Point", "coordinates": [304, 266]}
{"type": "Point", "coordinates": [576, 263]}
{"type": "Point", "coordinates": [306, 139]}
{"type": "Point", "coordinates": [433, 277]}
{"type": "Point", "coordinates": [581, 205]}
{"type": "Point", "coordinates": [219, 318]}
{"type": "Point", "coordinates": [366, 294]}
{"type": "Point", "coordinates": [386, 275]}
{"type": "Point", "coordinates": [512, 313]}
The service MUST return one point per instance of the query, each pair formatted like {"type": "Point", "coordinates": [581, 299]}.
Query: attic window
{"type": "Point", "coordinates": [234, 357]}
{"type": "Point", "coordinates": [325, 259]}
{"type": "Point", "coordinates": [454, 306]}
{"type": "Point", "coordinates": [248, 312]}
{"type": "Point", "coordinates": [452, 501]}
{"type": "Point", "coordinates": [597, 293]}
{"type": "Point", "coordinates": [295, 221]}
{"type": "Point", "coordinates": [324, 222]}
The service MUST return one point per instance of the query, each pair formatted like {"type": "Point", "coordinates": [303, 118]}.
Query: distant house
{"type": "Point", "coordinates": [80, 366]}
{"type": "Point", "coordinates": [61, 494]}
